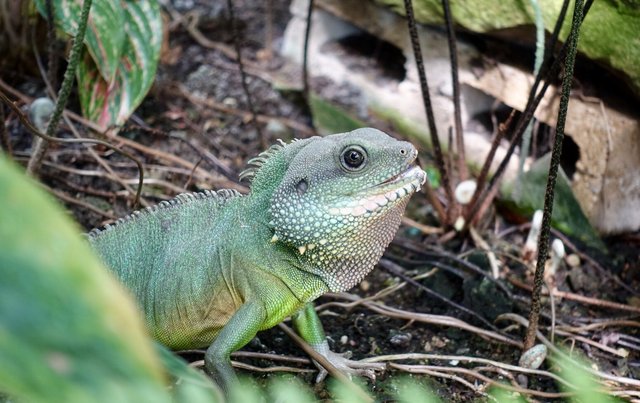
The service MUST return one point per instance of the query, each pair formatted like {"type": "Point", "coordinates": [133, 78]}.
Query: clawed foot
{"type": "Point", "coordinates": [349, 367]}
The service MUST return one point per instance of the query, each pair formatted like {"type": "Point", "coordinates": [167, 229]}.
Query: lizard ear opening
{"type": "Point", "coordinates": [302, 186]}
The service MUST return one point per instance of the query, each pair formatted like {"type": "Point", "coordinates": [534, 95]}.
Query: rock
{"type": "Point", "coordinates": [573, 260]}
{"type": "Point", "coordinates": [567, 215]}
{"type": "Point", "coordinates": [401, 339]}
{"type": "Point", "coordinates": [533, 357]}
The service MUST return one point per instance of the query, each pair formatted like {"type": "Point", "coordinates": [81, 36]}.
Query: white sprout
{"type": "Point", "coordinates": [465, 190]}
{"type": "Point", "coordinates": [531, 245]}
{"type": "Point", "coordinates": [557, 254]}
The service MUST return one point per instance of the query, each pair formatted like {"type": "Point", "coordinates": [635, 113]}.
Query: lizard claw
{"type": "Point", "coordinates": [349, 367]}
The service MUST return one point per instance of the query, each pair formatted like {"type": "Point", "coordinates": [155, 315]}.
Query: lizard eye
{"type": "Point", "coordinates": [353, 158]}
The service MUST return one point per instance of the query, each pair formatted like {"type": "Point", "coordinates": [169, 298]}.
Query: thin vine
{"type": "Point", "coordinates": [556, 152]}
{"type": "Point", "coordinates": [65, 90]}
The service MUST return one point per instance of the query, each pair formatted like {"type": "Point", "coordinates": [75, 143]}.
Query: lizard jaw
{"type": "Point", "coordinates": [389, 191]}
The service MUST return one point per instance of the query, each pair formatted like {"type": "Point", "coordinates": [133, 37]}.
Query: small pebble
{"type": "Point", "coordinates": [401, 339]}
{"type": "Point", "coordinates": [523, 380]}
{"type": "Point", "coordinates": [437, 342]}
{"type": "Point", "coordinates": [277, 128]}
{"type": "Point", "coordinates": [573, 260]}
{"type": "Point", "coordinates": [534, 357]}
{"type": "Point", "coordinates": [230, 102]}
{"type": "Point", "coordinates": [344, 339]}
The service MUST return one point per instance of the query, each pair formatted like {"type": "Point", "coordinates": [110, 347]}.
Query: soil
{"type": "Point", "coordinates": [170, 122]}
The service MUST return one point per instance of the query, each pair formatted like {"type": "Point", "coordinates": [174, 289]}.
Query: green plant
{"type": "Point", "coordinates": [122, 51]}
{"type": "Point", "coordinates": [68, 331]}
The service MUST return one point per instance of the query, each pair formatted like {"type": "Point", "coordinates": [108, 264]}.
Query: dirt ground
{"type": "Point", "coordinates": [197, 106]}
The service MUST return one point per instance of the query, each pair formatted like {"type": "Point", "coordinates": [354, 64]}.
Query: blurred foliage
{"type": "Point", "coordinates": [68, 331]}
{"type": "Point", "coordinates": [587, 389]}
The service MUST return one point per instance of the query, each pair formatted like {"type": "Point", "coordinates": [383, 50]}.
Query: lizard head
{"type": "Point", "coordinates": [341, 199]}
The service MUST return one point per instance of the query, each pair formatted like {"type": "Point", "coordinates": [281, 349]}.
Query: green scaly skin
{"type": "Point", "coordinates": [213, 269]}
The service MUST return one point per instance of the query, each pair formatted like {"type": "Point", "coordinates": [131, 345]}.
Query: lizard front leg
{"type": "Point", "coordinates": [307, 324]}
{"type": "Point", "coordinates": [238, 331]}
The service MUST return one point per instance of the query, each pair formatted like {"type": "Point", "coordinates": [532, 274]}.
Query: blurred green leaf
{"type": "Point", "coordinates": [504, 396]}
{"type": "Point", "coordinates": [343, 393]}
{"type": "Point", "coordinates": [412, 391]}
{"type": "Point", "coordinates": [586, 390]}
{"type": "Point", "coordinates": [246, 392]}
{"type": "Point", "coordinates": [187, 384]}
{"type": "Point", "coordinates": [63, 318]}
{"type": "Point", "coordinates": [288, 389]}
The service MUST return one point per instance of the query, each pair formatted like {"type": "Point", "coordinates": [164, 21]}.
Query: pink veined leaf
{"type": "Point", "coordinates": [104, 38]}
{"type": "Point", "coordinates": [111, 103]}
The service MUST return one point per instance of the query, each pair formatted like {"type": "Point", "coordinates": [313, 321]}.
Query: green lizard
{"type": "Point", "coordinates": [214, 268]}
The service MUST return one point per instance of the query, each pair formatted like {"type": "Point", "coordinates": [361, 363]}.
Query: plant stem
{"type": "Point", "coordinates": [539, 57]}
{"type": "Point", "coordinates": [305, 56]}
{"type": "Point", "coordinates": [426, 98]}
{"type": "Point", "coordinates": [52, 69]}
{"type": "Point", "coordinates": [543, 241]}
{"type": "Point", "coordinates": [455, 82]}
{"type": "Point", "coordinates": [40, 146]}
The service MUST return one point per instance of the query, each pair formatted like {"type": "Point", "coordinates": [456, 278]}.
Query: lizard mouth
{"type": "Point", "coordinates": [413, 174]}
{"type": "Point", "coordinates": [385, 194]}
{"type": "Point", "coordinates": [405, 183]}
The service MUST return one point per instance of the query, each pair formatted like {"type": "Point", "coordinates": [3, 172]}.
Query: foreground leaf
{"type": "Point", "coordinates": [68, 331]}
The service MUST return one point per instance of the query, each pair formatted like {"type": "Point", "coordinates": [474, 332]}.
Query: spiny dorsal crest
{"type": "Point", "coordinates": [220, 196]}
{"type": "Point", "coordinates": [254, 164]}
